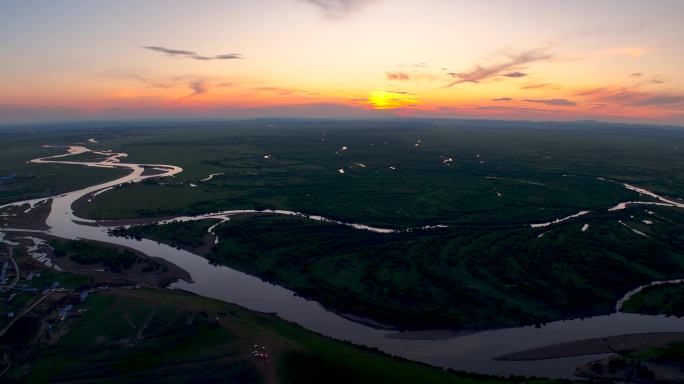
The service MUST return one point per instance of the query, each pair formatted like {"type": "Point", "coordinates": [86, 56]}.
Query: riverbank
{"type": "Point", "coordinates": [603, 345]}
{"type": "Point", "coordinates": [139, 273]}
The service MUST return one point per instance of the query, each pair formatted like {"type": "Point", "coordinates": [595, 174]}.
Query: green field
{"type": "Point", "coordinates": [658, 300]}
{"type": "Point", "coordinates": [672, 354]}
{"type": "Point", "coordinates": [26, 181]}
{"type": "Point", "coordinates": [88, 253]}
{"type": "Point", "coordinates": [460, 277]}
{"type": "Point", "coordinates": [172, 337]}
{"type": "Point", "coordinates": [153, 335]}
{"type": "Point", "coordinates": [489, 268]}
{"type": "Point", "coordinates": [503, 177]}
{"type": "Point", "coordinates": [522, 175]}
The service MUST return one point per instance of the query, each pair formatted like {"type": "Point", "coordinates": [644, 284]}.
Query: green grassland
{"type": "Point", "coordinates": [165, 336]}
{"type": "Point", "coordinates": [84, 252]}
{"type": "Point", "coordinates": [114, 259]}
{"type": "Point", "coordinates": [460, 277]}
{"type": "Point", "coordinates": [187, 235]}
{"type": "Point", "coordinates": [129, 337]}
{"type": "Point", "coordinates": [672, 354]}
{"type": "Point", "coordinates": [489, 268]}
{"type": "Point", "coordinates": [169, 336]}
{"type": "Point", "coordinates": [658, 300]}
{"type": "Point", "coordinates": [45, 278]}
{"type": "Point", "coordinates": [43, 180]}
{"type": "Point", "coordinates": [541, 174]}
{"type": "Point", "coordinates": [66, 280]}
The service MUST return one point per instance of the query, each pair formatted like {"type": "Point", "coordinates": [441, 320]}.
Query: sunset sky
{"type": "Point", "coordinates": [613, 60]}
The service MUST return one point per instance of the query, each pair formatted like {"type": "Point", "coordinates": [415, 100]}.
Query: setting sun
{"type": "Point", "coordinates": [390, 100]}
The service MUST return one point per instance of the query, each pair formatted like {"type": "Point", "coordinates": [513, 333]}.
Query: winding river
{"type": "Point", "coordinates": [473, 352]}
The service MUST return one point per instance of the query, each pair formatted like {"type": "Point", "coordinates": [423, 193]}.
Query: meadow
{"type": "Point", "coordinates": [658, 300]}
{"type": "Point", "coordinates": [140, 336]}
{"type": "Point", "coordinates": [21, 180]}
{"type": "Point", "coordinates": [498, 175]}
{"type": "Point", "coordinates": [488, 181]}
{"type": "Point", "coordinates": [457, 277]}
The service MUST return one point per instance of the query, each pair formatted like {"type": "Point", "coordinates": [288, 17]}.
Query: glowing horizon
{"type": "Point", "coordinates": [531, 59]}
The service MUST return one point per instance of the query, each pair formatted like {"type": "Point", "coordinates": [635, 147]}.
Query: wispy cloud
{"type": "Point", "coordinates": [198, 84]}
{"type": "Point", "coordinates": [417, 75]}
{"type": "Point", "coordinates": [401, 76]}
{"type": "Point", "coordinates": [516, 109]}
{"type": "Point", "coordinates": [192, 55]}
{"type": "Point", "coordinates": [515, 74]}
{"type": "Point", "coordinates": [338, 8]}
{"type": "Point", "coordinates": [281, 91]}
{"type": "Point", "coordinates": [163, 82]}
{"type": "Point", "coordinates": [661, 100]}
{"type": "Point", "coordinates": [277, 90]}
{"type": "Point", "coordinates": [634, 97]}
{"type": "Point", "coordinates": [539, 86]}
{"type": "Point", "coordinates": [198, 87]}
{"type": "Point", "coordinates": [152, 83]}
{"type": "Point", "coordinates": [508, 66]}
{"type": "Point", "coordinates": [556, 102]}
{"type": "Point", "coordinates": [646, 80]}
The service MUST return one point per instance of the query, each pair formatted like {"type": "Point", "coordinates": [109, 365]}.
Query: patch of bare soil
{"type": "Point", "coordinates": [613, 344]}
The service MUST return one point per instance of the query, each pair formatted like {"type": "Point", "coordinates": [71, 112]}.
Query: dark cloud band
{"type": "Point", "coordinates": [192, 55]}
